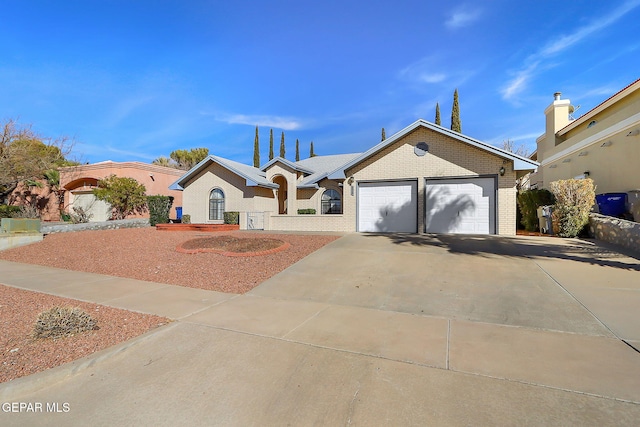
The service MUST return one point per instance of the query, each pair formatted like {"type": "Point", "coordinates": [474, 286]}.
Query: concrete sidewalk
{"type": "Point", "coordinates": [350, 346]}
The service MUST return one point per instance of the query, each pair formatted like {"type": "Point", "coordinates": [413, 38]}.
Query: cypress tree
{"type": "Point", "coordinates": [438, 121]}
{"type": "Point", "coordinates": [297, 150]}
{"type": "Point", "coordinates": [384, 135]}
{"type": "Point", "coordinates": [311, 153]}
{"type": "Point", "coordinates": [456, 125]}
{"type": "Point", "coordinates": [282, 145]}
{"type": "Point", "coordinates": [271, 144]}
{"type": "Point", "coordinates": [256, 151]}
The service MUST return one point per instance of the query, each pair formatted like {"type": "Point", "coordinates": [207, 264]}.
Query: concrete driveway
{"type": "Point", "coordinates": [372, 330]}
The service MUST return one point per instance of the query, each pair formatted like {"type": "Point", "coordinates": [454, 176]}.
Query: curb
{"type": "Point", "coordinates": [20, 387]}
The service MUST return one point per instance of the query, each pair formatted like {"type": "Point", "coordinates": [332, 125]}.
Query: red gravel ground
{"type": "Point", "coordinates": [142, 253]}
{"type": "Point", "coordinates": [22, 355]}
{"type": "Point", "coordinates": [148, 254]}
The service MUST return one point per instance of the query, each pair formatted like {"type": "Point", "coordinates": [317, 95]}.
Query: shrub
{"type": "Point", "coordinates": [125, 195]}
{"type": "Point", "coordinates": [186, 219]}
{"type": "Point", "coordinates": [231, 217]}
{"type": "Point", "coordinates": [80, 215]}
{"type": "Point", "coordinates": [529, 201]}
{"type": "Point", "coordinates": [63, 321]}
{"type": "Point", "coordinates": [8, 211]}
{"type": "Point", "coordinates": [306, 211]}
{"type": "Point", "coordinates": [574, 200]}
{"type": "Point", "coordinates": [159, 208]}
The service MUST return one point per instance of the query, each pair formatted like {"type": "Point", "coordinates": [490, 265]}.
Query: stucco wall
{"type": "Point", "coordinates": [613, 168]}
{"type": "Point", "coordinates": [238, 197]}
{"type": "Point", "coordinates": [447, 157]}
{"type": "Point", "coordinates": [83, 178]}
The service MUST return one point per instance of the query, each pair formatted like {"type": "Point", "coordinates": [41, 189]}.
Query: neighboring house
{"type": "Point", "coordinates": [424, 178]}
{"type": "Point", "coordinates": [602, 144]}
{"type": "Point", "coordinates": [78, 182]}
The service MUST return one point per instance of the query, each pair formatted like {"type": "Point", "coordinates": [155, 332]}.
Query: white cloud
{"type": "Point", "coordinates": [519, 82]}
{"type": "Point", "coordinates": [563, 42]}
{"type": "Point", "coordinates": [462, 17]}
{"type": "Point", "coordinates": [284, 123]}
{"type": "Point", "coordinates": [425, 70]}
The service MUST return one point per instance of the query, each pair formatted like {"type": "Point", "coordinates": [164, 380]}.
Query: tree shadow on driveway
{"type": "Point", "coordinates": [585, 251]}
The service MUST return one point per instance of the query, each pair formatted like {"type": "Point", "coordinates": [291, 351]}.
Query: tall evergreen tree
{"type": "Point", "coordinates": [256, 151]}
{"type": "Point", "coordinates": [282, 145]}
{"type": "Point", "coordinates": [271, 144]}
{"type": "Point", "coordinates": [456, 125]}
{"type": "Point", "coordinates": [438, 121]}
{"type": "Point", "coordinates": [297, 150]}
{"type": "Point", "coordinates": [311, 153]}
{"type": "Point", "coordinates": [384, 135]}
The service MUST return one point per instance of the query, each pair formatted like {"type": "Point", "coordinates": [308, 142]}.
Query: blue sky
{"type": "Point", "coordinates": [135, 80]}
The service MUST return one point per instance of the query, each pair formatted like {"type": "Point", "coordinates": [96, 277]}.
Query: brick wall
{"type": "Point", "coordinates": [447, 157]}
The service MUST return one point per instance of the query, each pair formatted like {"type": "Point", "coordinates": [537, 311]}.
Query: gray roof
{"type": "Point", "coordinates": [334, 166]}
{"type": "Point", "coordinates": [254, 177]}
{"type": "Point", "coordinates": [519, 162]}
{"type": "Point", "coordinates": [322, 166]}
{"type": "Point", "coordinates": [292, 165]}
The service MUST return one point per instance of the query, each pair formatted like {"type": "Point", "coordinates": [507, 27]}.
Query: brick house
{"type": "Point", "coordinates": [425, 178]}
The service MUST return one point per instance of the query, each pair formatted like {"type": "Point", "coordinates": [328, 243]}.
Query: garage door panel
{"type": "Point", "coordinates": [387, 206]}
{"type": "Point", "coordinates": [463, 206]}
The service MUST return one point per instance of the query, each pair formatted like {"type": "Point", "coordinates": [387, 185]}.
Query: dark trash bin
{"type": "Point", "coordinates": [612, 204]}
{"type": "Point", "coordinates": [179, 212]}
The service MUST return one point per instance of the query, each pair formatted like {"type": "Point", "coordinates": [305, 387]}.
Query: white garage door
{"type": "Point", "coordinates": [99, 209]}
{"type": "Point", "coordinates": [388, 206]}
{"type": "Point", "coordinates": [463, 206]}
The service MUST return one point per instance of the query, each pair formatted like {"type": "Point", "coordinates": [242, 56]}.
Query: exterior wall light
{"type": "Point", "coordinates": [502, 170]}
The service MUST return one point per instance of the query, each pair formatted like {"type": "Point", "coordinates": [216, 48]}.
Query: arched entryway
{"type": "Point", "coordinates": [281, 193]}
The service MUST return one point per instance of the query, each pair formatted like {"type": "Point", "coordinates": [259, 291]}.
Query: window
{"type": "Point", "coordinates": [216, 205]}
{"type": "Point", "coordinates": [331, 203]}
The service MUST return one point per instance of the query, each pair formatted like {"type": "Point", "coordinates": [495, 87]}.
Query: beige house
{"type": "Point", "coordinates": [602, 144]}
{"type": "Point", "coordinates": [424, 178]}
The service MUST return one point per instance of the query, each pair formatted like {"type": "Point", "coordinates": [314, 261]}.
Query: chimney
{"type": "Point", "coordinates": [557, 115]}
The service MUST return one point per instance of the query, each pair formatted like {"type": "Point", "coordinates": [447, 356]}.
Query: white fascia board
{"type": "Point", "coordinates": [621, 126]}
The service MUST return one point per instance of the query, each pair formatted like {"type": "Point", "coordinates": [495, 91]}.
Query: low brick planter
{"type": "Point", "coordinates": [197, 227]}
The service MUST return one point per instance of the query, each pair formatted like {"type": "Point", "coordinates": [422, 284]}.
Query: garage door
{"type": "Point", "coordinates": [463, 206]}
{"type": "Point", "coordinates": [388, 206]}
{"type": "Point", "coordinates": [99, 209]}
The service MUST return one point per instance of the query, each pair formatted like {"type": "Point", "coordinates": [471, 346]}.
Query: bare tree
{"type": "Point", "coordinates": [520, 149]}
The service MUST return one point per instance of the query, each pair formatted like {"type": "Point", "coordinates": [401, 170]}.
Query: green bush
{"type": "Point", "coordinates": [231, 217]}
{"type": "Point", "coordinates": [529, 201]}
{"type": "Point", "coordinates": [186, 219]}
{"type": "Point", "coordinates": [63, 321]}
{"type": "Point", "coordinates": [306, 211]}
{"type": "Point", "coordinates": [574, 200]}
{"type": "Point", "coordinates": [8, 211]}
{"type": "Point", "coordinates": [159, 208]}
